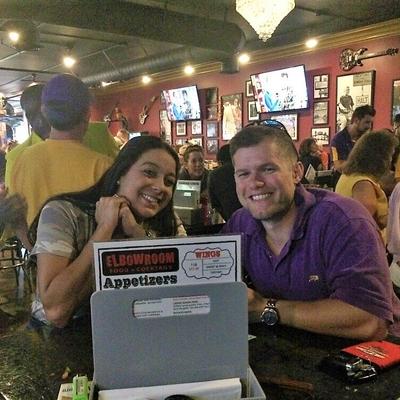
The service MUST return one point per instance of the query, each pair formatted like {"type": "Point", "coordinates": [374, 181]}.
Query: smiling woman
{"type": "Point", "coordinates": [133, 199]}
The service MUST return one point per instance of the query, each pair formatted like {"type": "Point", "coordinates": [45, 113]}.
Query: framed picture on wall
{"type": "Point", "coordinates": [165, 126]}
{"type": "Point", "coordinates": [252, 114]}
{"type": "Point", "coordinates": [212, 129]}
{"type": "Point", "coordinates": [321, 86]}
{"type": "Point", "coordinates": [248, 89]}
{"type": "Point", "coordinates": [198, 141]}
{"type": "Point", "coordinates": [352, 91]}
{"type": "Point", "coordinates": [211, 112]}
{"type": "Point", "coordinates": [212, 146]}
{"type": "Point", "coordinates": [212, 95]}
{"type": "Point", "coordinates": [395, 98]}
{"type": "Point", "coordinates": [320, 113]}
{"type": "Point", "coordinates": [196, 127]}
{"type": "Point", "coordinates": [232, 105]}
{"type": "Point", "coordinates": [181, 129]}
{"type": "Point", "coordinates": [321, 135]}
{"type": "Point", "coordinates": [290, 123]}
{"type": "Point", "coordinates": [180, 141]}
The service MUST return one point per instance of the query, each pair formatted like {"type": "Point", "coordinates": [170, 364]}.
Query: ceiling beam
{"type": "Point", "coordinates": [129, 19]}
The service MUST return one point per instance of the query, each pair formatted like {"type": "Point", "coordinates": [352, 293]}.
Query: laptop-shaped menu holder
{"type": "Point", "coordinates": [203, 338]}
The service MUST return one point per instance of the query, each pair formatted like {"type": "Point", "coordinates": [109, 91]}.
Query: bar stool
{"type": "Point", "coordinates": [14, 256]}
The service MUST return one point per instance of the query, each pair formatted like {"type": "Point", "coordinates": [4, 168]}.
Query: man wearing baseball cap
{"type": "Point", "coordinates": [61, 163]}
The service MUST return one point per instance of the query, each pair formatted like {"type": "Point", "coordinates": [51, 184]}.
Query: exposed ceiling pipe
{"type": "Point", "coordinates": [130, 19]}
{"type": "Point", "coordinates": [156, 63]}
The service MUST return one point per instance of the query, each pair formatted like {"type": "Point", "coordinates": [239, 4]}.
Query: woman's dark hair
{"type": "Point", "coordinates": [372, 154]}
{"type": "Point", "coordinates": [163, 223]}
{"type": "Point", "coordinates": [305, 147]}
{"type": "Point", "coordinates": [190, 149]}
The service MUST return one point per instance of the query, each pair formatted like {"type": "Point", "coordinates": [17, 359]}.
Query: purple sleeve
{"type": "Point", "coordinates": [357, 271]}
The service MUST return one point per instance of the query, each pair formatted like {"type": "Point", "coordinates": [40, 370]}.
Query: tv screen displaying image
{"type": "Point", "coordinates": [182, 104]}
{"type": "Point", "coordinates": [280, 90]}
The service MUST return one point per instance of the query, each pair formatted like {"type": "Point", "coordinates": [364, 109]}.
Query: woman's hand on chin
{"type": "Point", "coordinates": [130, 226]}
{"type": "Point", "coordinates": [107, 213]}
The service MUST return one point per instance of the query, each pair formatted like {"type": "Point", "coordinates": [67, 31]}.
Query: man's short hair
{"type": "Point", "coordinates": [396, 119]}
{"type": "Point", "coordinates": [224, 155]}
{"type": "Point", "coordinates": [254, 135]}
{"type": "Point", "coordinates": [65, 101]}
{"type": "Point", "coordinates": [362, 111]}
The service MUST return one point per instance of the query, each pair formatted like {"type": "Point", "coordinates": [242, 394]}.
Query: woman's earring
{"type": "Point", "coordinates": [118, 182]}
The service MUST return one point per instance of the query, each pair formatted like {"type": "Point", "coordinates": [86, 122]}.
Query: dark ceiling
{"type": "Point", "coordinates": [118, 40]}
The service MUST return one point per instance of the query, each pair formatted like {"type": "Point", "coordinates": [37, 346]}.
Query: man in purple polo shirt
{"type": "Point", "coordinates": [315, 259]}
{"type": "Point", "coordinates": [343, 141]}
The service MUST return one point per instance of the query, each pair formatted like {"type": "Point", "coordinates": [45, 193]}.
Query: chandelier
{"type": "Point", "coordinates": [264, 15]}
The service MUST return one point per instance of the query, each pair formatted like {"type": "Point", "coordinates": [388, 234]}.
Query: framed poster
{"type": "Point", "coordinates": [212, 146]}
{"type": "Point", "coordinates": [212, 129]}
{"type": "Point", "coordinates": [181, 129]}
{"type": "Point", "coordinates": [321, 135]}
{"type": "Point", "coordinates": [290, 123]}
{"type": "Point", "coordinates": [252, 114]}
{"type": "Point", "coordinates": [395, 98]}
{"type": "Point", "coordinates": [352, 91]}
{"type": "Point", "coordinates": [180, 141]}
{"type": "Point", "coordinates": [165, 126]}
{"type": "Point", "coordinates": [232, 105]}
{"type": "Point", "coordinates": [212, 112]}
{"type": "Point", "coordinates": [320, 113]}
{"type": "Point", "coordinates": [196, 141]}
{"type": "Point", "coordinates": [196, 127]}
{"type": "Point", "coordinates": [212, 95]}
{"type": "Point", "coordinates": [321, 86]}
{"type": "Point", "coordinates": [248, 89]}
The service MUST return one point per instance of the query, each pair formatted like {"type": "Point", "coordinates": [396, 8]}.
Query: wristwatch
{"type": "Point", "coordinates": [270, 315]}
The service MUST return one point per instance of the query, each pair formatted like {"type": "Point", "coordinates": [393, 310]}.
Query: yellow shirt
{"type": "Point", "coordinates": [53, 167]}
{"type": "Point", "coordinates": [345, 187]}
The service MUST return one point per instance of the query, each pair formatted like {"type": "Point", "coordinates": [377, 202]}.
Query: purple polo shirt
{"type": "Point", "coordinates": [335, 251]}
{"type": "Point", "coordinates": [343, 144]}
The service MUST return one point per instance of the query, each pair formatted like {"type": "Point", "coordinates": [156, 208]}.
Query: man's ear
{"type": "Point", "coordinates": [298, 172]}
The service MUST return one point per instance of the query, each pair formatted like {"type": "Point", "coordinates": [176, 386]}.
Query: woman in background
{"type": "Point", "coordinates": [193, 167]}
{"type": "Point", "coordinates": [368, 162]}
{"type": "Point", "coordinates": [133, 199]}
{"type": "Point", "coordinates": [310, 154]}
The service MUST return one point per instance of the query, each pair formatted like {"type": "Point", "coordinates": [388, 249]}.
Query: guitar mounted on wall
{"type": "Point", "coordinates": [145, 111]}
{"type": "Point", "coordinates": [350, 58]}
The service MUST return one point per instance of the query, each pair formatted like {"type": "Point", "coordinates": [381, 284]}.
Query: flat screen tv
{"type": "Point", "coordinates": [182, 104]}
{"type": "Point", "coordinates": [280, 90]}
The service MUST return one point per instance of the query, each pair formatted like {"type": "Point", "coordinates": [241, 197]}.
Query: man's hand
{"type": "Point", "coordinates": [256, 305]}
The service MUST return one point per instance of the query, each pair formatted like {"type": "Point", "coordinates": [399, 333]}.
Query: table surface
{"type": "Point", "coordinates": [32, 364]}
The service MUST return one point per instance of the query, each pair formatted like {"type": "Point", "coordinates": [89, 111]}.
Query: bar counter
{"type": "Point", "coordinates": [32, 365]}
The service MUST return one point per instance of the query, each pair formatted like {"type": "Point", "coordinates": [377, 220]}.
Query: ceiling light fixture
{"type": "Point", "coordinates": [264, 15]}
{"type": "Point", "coordinates": [311, 43]}
{"type": "Point", "coordinates": [14, 36]}
{"type": "Point", "coordinates": [244, 58]}
{"type": "Point", "coordinates": [188, 70]}
{"type": "Point", "coordinates": [146, 79]}
{"type": "Point", "coordinates": [22, 34]}
{"type": "Point", "coordinates": [69, 61]}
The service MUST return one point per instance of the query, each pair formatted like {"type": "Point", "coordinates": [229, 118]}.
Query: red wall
{"type": "Point", "coordinates": [318, 62]}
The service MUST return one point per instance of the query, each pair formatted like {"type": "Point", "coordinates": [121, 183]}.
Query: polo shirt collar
{"type": "Point", "coordinates": [304, 201]}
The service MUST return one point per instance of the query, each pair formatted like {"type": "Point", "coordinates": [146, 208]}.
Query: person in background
{"type": "Point", "coordinates": [310, 154]}
{"type": "Point", "coordinates": [315, 260]}
{"type": "Point", "coordinates": [368, 162]}
{"type": "Point", "coordinates": [393, 237]}
{"type": "Point", "coordinates": [396, 125]}
{"type": "Point", "coordinates": [221, 185]}
{"type": "Point", "coordinates": [133, 199]}
{"type": "Point", "coordinates": [61, 163]}
{"type": "Point", "coordinates": [121, 138]}
{"type": "Point", "coordinates": [193, 167]}
{"type": "Point", "coordinates": [343, 141]}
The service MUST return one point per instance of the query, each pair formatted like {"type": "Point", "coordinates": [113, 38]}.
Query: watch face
{"type": "Point", "coordinates": [269, 316]}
